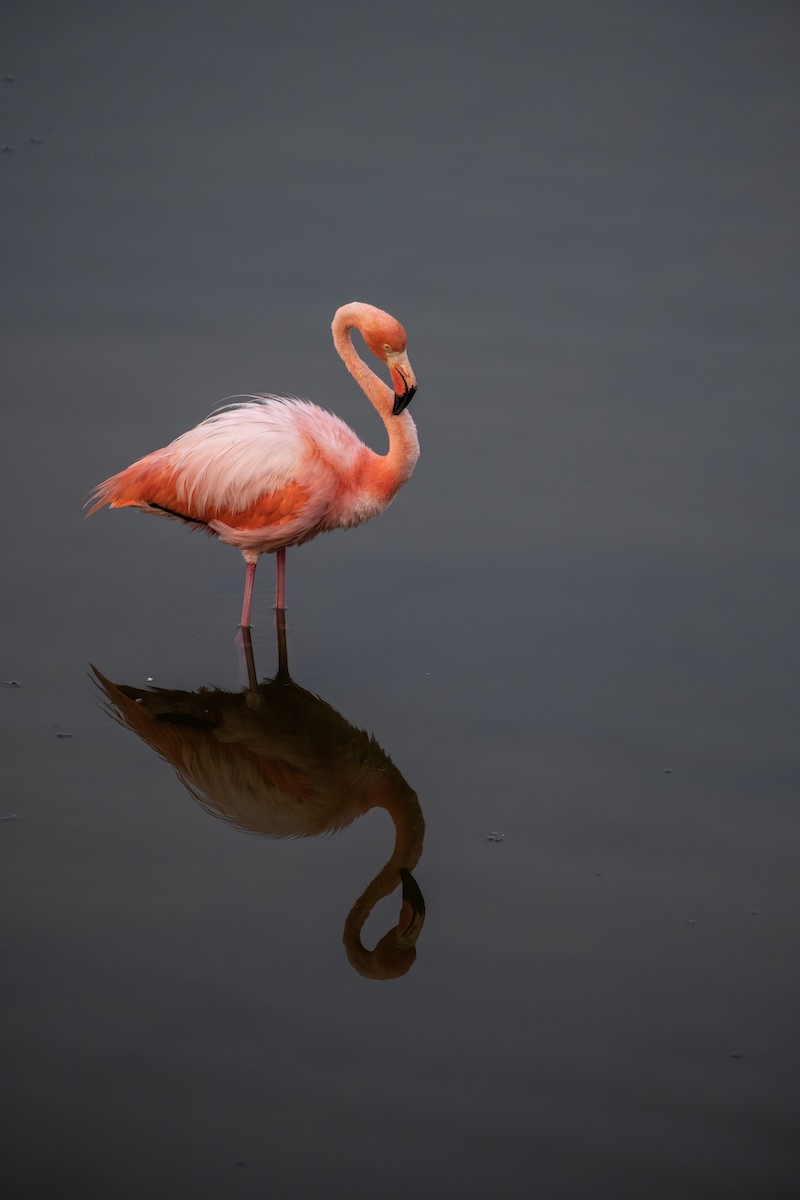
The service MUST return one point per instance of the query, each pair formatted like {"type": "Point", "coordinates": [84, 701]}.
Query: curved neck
{"type": "Point", "coordinates": [403, 441]}
{"type": "Point", "coordinates": [409, 823]}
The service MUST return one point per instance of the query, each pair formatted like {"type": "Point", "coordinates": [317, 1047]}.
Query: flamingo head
{"type": "Point", "coordinates": [395, 953]}
{"type": "Point", "coordinates": [386, 338]}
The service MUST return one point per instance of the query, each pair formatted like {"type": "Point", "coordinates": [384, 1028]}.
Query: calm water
{"type": "Point", "coordinates": [576, 628]}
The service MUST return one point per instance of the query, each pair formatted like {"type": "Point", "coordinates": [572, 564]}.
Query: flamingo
{"type": "Point", "coordinates": [277, 761]}
{"type": "Point", "coordinates": [270, 471]}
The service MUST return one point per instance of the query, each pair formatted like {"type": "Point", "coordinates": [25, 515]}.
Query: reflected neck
{"type": "Point", "coordinates": [409, 827]}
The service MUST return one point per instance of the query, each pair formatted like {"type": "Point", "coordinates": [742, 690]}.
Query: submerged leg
{"type": "Point", "coordinates": [249, 580]}
{"type": "Point", "coordinates": [250, 663]}
{"type": "Point", "coordinates": [283, 656]}
{"type": "Point", "coordinates": [280, 578]}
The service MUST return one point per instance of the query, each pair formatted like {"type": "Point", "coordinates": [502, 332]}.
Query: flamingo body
{"type": "Point", "coordinates": [271, 471]}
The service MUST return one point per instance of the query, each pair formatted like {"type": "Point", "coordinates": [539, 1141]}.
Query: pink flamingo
{"type": "Point", "coordinates": [272, 471]}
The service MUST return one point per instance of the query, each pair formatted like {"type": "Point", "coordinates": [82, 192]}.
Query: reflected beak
{"type": "Point", "coordinates": [412, 912]}
{"type": "Point", "coordinates": [403, 381]}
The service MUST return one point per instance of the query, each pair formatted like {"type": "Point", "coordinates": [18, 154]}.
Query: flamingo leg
{"type": "Point", "coordinates": [280, 578]}
{"type": "Point", "coordinates": [250, 664]}
{"type": "Point", "coordinates": [249, 580]}
{"type": "Point", "coordinates": [283, 657]}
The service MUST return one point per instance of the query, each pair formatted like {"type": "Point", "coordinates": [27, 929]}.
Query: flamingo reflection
{"type": "Point", "coordinates": [275, 760]}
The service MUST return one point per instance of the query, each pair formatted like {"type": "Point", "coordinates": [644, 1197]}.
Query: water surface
{"type": "Point", "coordinates": [575, 628]}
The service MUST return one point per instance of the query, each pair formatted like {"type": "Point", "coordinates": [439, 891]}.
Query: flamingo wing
{"type": "Point", "coordinates": [260, 474]}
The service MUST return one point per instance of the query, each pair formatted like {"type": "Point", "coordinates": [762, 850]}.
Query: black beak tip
{"type": "Point", "coordinates": [411, 891]}
{"type": "Point", "coordinates": [402, 402]}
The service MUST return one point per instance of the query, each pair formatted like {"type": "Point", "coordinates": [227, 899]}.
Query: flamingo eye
{"type": "Point", "coordinates": [387, 347]}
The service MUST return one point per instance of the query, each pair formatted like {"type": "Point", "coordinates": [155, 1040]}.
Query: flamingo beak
{"type": "Point", "coordinates": [403, 381]}
{"type": "Point", "coordinates": [412, 912]}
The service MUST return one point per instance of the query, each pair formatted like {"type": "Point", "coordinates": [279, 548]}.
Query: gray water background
{"type": "Point", "coordinates": [577, 625]}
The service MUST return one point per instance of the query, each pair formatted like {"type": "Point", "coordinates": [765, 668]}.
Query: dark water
{"type": "Point", "coordinates": [577, 626]}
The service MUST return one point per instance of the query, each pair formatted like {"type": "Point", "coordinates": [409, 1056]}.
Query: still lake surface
{"type": "Point", "coordinates": [574, 634]}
